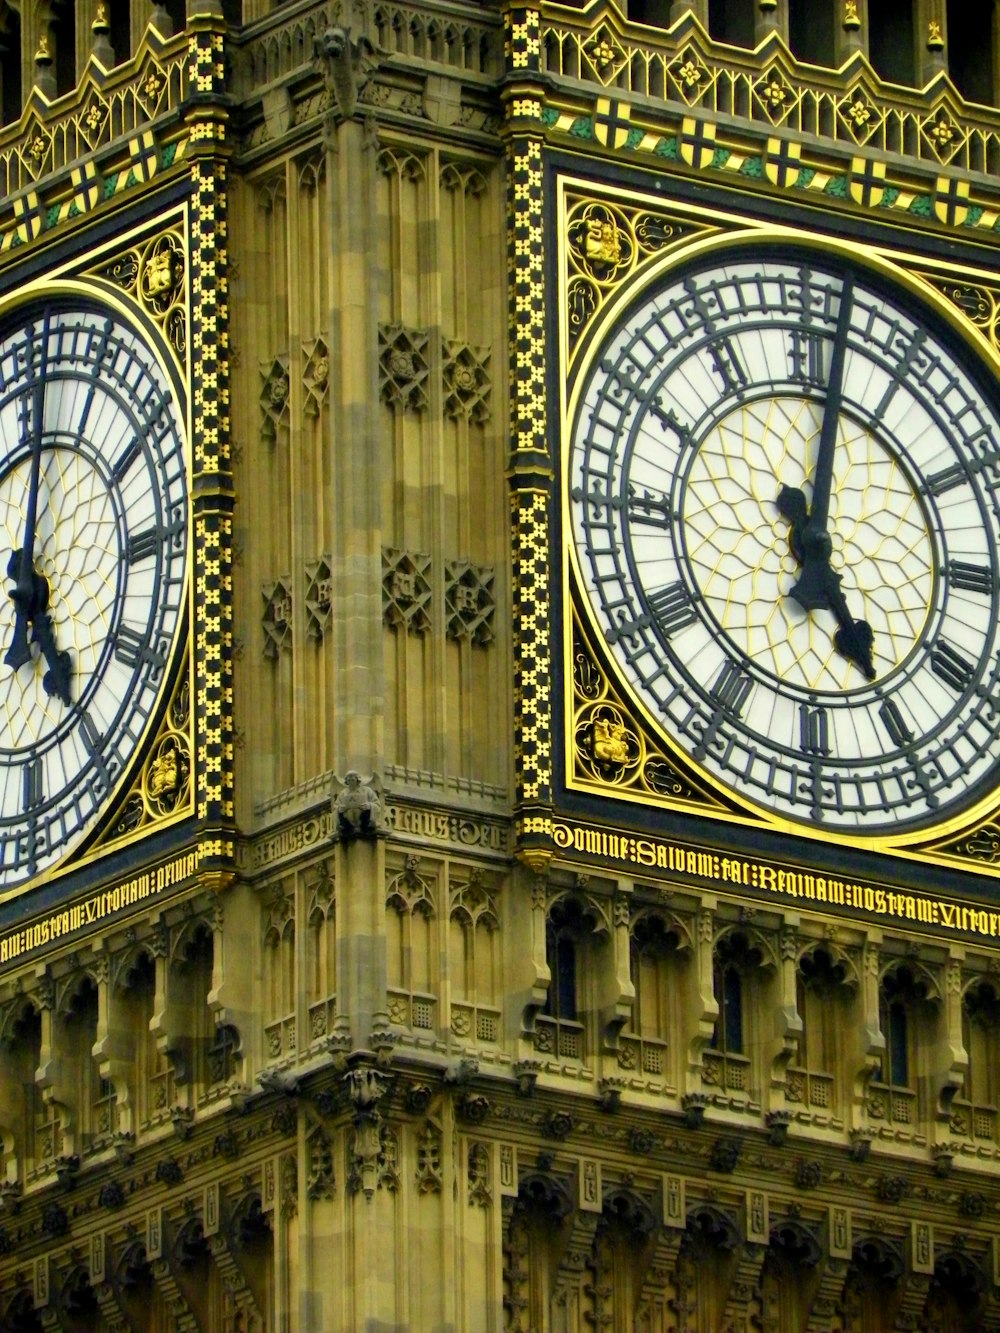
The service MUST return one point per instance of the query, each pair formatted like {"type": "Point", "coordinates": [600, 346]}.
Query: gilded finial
{"type": "Point", "coordinates": [935, 37]}
{"type": "Point", "coordinates": [767, 5]}
{"type": "Point", "coordinates": [851, 19]}
{"type": "Point", "coordinates": [43, 56]}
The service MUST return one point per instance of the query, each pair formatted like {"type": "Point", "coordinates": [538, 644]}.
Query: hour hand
{"type": "Point", "coordinates": [818, 587]}
{"type": "Point", "coordinates": [29, 595]}
{"type": "Point", "coordinates": [56, 679]}
{"type": "Point", "coordinates": [811, 547]}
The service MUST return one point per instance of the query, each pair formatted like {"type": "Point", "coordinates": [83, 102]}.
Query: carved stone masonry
{"type": "Point", "coordinates": [467, 382]}
{"type": "Point", "coordinates": [406, 590]}
{"type": "Point", "coordinates": [277, 617]}
{"type": "Point", "coordinates": [403, 367]}
{"type": "Point", "coordinates": [346, 65]}
{"type": "Point", "coordinates": [315, 375]}
{"type": "Point", "coordinates": [319, 598]}
{"type": "Point", "coordinates": [366, 1087]}
{"type": "Point", "coordinates": [469, 601]}
{"type": "Point", "coordinates": [359, 809]}
{"type": "Point", "coordinates": [273, 398]}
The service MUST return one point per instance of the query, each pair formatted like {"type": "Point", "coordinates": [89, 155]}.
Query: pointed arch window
{"type": "Point", "coordinates": [726, 1064]}
{"type": "Point", "coordinates": [20, 1098]}
{"type": "Point", "coordinates": [812, 32]}
{"type": "Point", "coordinates": [903, 1000]}
{"type": "Point", "coordinates": [975, 1108]}
{"type": "Point", "coordinates": [560, 1027]}
{"type": "Point", "coordinates": [11, 86]}
{"type": "Point", "coordinates": [655, 972]}
{"type": "Point", "coordinates": [822, 997]}
{"type": "Point", "coordinates": [972, 34]}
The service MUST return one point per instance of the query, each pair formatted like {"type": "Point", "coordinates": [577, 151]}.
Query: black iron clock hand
{"type": "Point", "coordinates": [818, 587]}
{"type": "Point", "coordinates": [29, 587]}
{"type": "Point", "coordinates": [56, 679]}
{"type": "Point", "coordinates": [30, 593]}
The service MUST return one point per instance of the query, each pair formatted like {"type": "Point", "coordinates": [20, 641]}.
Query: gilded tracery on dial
{"type": "Point", "coordinates": [880, 540]}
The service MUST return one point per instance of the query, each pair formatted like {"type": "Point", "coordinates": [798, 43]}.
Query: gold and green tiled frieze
{"type": "Point", "coordinates": [787, 165]}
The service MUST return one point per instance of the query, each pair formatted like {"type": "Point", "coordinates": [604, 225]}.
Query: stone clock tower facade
{"type": "Point", "coordinates": [499, 742]}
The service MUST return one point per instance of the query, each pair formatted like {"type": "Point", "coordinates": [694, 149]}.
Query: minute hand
{"type": "Point", "coordinates": [812, 591]}
{"type": "Point", "coordinates": [27, 590]}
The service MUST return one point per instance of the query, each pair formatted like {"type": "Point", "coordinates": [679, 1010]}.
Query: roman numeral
{"type": "Point", "coordinates": [728, 366]}
{"type": "Point", "coordinates": [130, 646]}
{"type": "Point", "coordinates": [971, 578]}
{"type": "Point", "coordinates": [732, 688]}
{"type": "Point", "coordinates": [892, 719]}
{"type": "Point", "coordinates": [652, 511]}
{"type": "Point", "coordinates": [91, 736]}
{"type": "Point", "coordinates": [141, 545]}
{"type": "Point", "coordinates": [32, 783]}
{"type": "Point", "coordinates": [814, 730]}
{"type": "Point", "coordinates": [951, 667]}
{"type": "Point", "coordinates": [671, 608]}
{"type": "Point", "coordinates": [939, 482]}
{"type": "Point", "coordinates": [806, 357]}
{"type": "Point", "coordinates": [127, 458]}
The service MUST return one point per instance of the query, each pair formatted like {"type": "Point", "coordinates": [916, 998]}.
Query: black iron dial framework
{"type": "Point", "coordinates": [94, 538]}
{"type": "Point", "coordinates": [781, 501]}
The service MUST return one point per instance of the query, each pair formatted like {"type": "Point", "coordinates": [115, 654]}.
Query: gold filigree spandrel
{"type": "Point", "coordinates": [981, 844]}
{"type": "Point", "coordinates": [978, 303]}
{"type": "Point", "coordinates": [609, 748]}
{"type": "Point", "coordinates": [163, 787]}
{"type": "Point", "coordinates": [153, 273]}
{"type": "Point", "coordinates": [606, 243]}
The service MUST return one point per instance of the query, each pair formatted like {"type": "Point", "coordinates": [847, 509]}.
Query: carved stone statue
{"type": "Point", "coordinates": [359, 809]}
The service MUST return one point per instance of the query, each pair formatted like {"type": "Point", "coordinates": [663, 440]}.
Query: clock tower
{"type": "Point", "coordinates": [499, 687]}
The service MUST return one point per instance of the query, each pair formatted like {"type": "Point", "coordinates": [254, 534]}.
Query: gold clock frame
{"type": "Point", "coordinates": [605, 259]}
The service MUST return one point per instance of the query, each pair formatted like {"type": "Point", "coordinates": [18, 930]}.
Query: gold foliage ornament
{"type": "Point", "coordinates": [609, 747]}
{"type": "Point", "coordinates": [606, 244]}
{"type": "Point", "coordinates": [164, 785]}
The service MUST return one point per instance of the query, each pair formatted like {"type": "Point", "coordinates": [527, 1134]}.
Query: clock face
{"type": "Point", "coordinates": [93, 542]}
{"type": "Point", "coordinates": [782, 506]}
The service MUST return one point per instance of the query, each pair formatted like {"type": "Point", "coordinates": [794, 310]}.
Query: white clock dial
{"type": "Point", "coordinates": [93, 540]}
{"type": "Point", "coordinates": [782, 505]}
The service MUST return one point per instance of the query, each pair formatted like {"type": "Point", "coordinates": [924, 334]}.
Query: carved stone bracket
{"type": "Point", "coordinates": [359, 809]}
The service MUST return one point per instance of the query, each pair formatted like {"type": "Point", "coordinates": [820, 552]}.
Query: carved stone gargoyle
{"type": "Point", "coordinates": [346, 66]}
